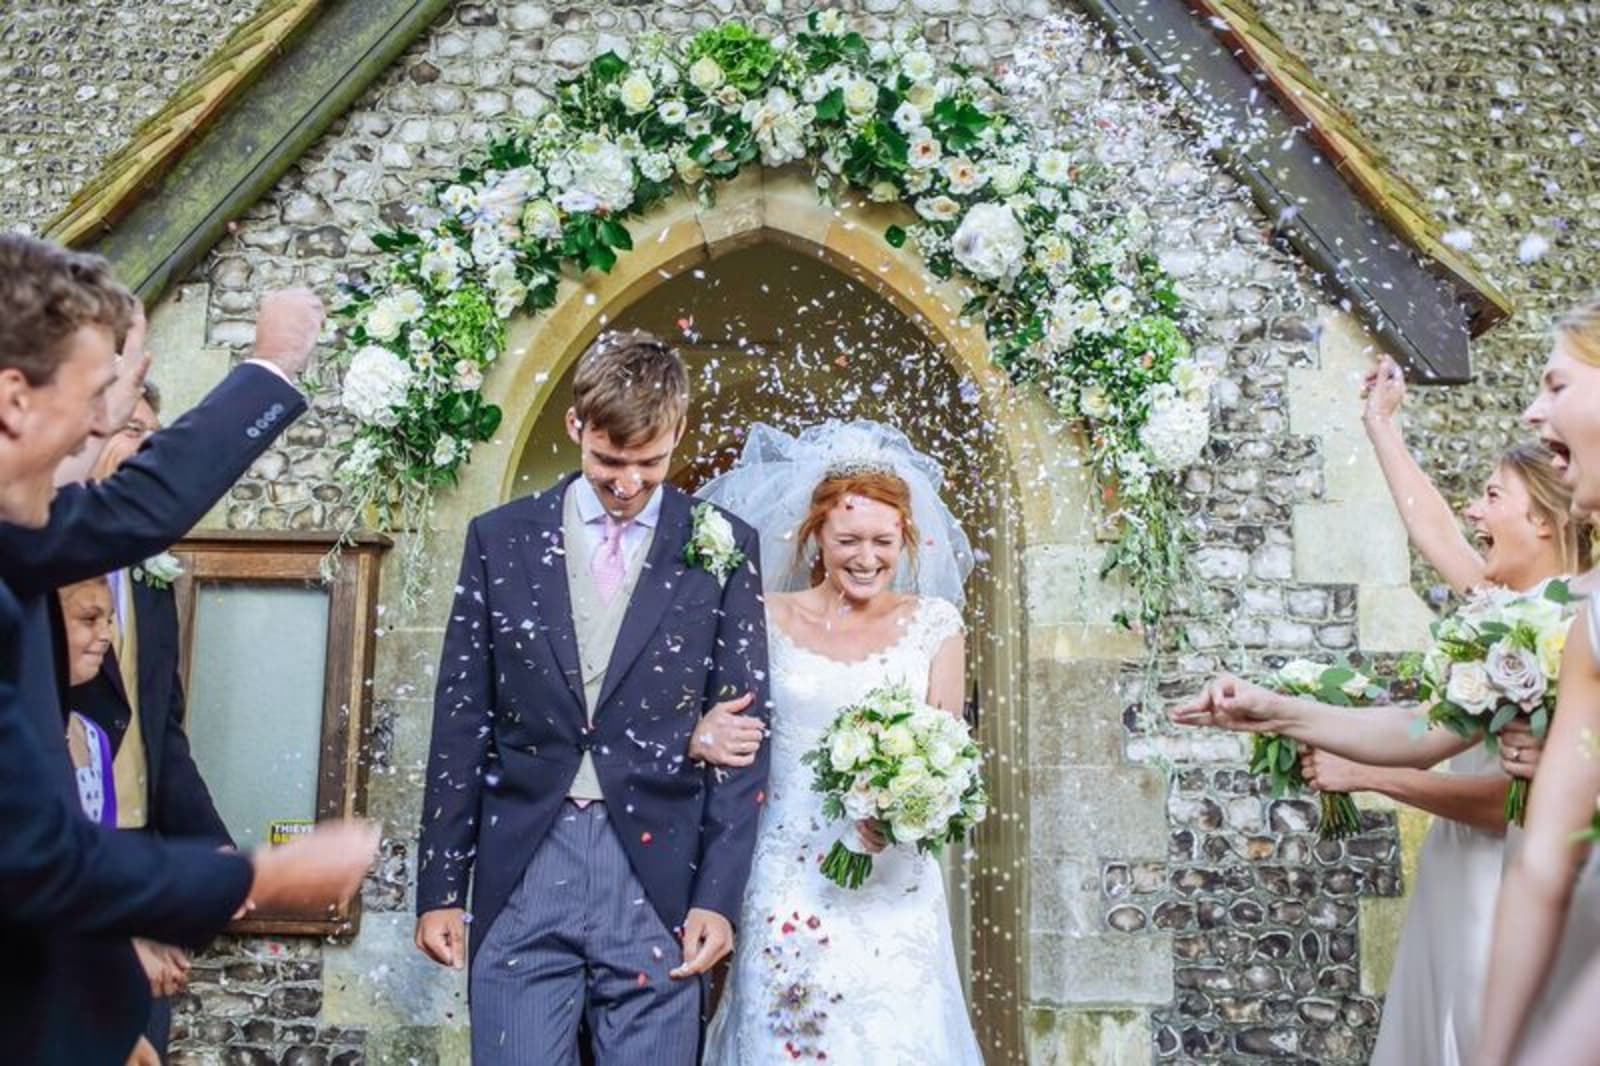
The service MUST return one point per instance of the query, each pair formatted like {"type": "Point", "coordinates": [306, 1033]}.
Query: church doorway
{"type": "Point", "coordinates": [774, 330]}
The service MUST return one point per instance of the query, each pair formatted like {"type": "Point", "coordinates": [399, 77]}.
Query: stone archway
{"type": "Point", "coordinates": [1044, 605]}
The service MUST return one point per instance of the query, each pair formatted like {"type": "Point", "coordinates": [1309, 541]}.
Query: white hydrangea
{"type": "Point", "coordinates": [602, 177]}
{"type": "Point", "coordinates": [375, 386]}
{"type": "Point", "coordinates": [1176, 431]}
{"type": "Point", "coordinates": [656, 166]}
{"type": "Point", "coordinates": [990, 243]}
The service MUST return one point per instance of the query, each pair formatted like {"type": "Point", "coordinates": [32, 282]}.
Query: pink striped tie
{"type": "Point", "coordinates": [607, 566]}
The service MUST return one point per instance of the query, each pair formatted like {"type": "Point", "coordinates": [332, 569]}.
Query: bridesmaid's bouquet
{"type": "Point", "coordinates": [1278, 758]}
{"type": "Point", "coordinates": [912, 768]}
{"type": "Point", "coordinates": [1495, 661]}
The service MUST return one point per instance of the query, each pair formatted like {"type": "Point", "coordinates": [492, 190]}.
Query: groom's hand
{"type": "Point", "coordinates": [725, 736]}
{"type": "Point", "coordinates": [707, 938]}
{"type": "Point", "coordinates": [442, 936]}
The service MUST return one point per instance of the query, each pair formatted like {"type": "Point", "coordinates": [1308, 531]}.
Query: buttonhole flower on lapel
{"type": "Point", "coordinates": [159, 571]}
{"type": "Point", "coordinates": [711, 544]}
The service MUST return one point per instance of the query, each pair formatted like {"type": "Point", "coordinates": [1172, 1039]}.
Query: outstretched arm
{"type": "Point", "coordinates": [1532, 908]}
{"type": "Point", "coordinates": [1429, 522]}
{"type": "Point", "coordinates": [947, 677]}
{"type": "Point", "coordinates": [1380, 736]}
{"type": "Point", "coordinates": [1477, 800]}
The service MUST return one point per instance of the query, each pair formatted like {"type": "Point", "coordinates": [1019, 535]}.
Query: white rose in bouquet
{"type": "Point", "coordinates": [1469, 687]}
{"type": "Point", "coordinates": [863, 801]}
{"type": "Point", "coordinates": [990, 243]}
{"type": "Point", "coordinates": [898, 740]}
{"type": "Point", "coordinates": [849, 748]}
{"type": "Point", "coordinates": [376, 385]}
{"type": "Point", "coordinates": [1517, 673]}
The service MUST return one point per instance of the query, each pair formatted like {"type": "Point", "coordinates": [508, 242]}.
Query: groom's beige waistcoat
{"type": "Point", "coordinates": [595, 622]}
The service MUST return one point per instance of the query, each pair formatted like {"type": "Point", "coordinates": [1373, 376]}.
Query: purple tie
{"type": "Point", "coordinates": [608, 567]}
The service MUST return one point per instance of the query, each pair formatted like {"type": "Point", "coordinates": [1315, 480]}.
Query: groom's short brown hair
{"type": "Point", "coordinates": [631, 386]}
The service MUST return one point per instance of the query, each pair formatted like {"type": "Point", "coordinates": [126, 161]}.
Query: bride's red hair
{"type": "Point", "coordinates": [877, 485]}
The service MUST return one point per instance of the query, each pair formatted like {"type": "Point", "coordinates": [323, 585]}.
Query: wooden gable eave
{"type": "Point", "coordinates": [232, 131]}
{"type": "Point", "coordinates": [1362, 227]}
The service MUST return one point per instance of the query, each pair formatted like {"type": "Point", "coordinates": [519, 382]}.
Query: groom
{"type": "Point", "coordinates": [607, 868]}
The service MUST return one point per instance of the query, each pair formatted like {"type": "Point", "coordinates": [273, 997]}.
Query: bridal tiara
{"type": "Point", "coordinates": [855, 466]}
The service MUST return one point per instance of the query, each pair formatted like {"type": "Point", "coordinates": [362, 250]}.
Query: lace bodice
{"type": "Point", "coordinates": [821, 970]}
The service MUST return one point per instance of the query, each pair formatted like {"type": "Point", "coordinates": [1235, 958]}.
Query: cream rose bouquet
{"type": "Point", "coordinates": [1278, 758]}
{"type": "Point", "coordinates": [1494, 661]}
{"type": "Point", "coordinates": [910, 767]}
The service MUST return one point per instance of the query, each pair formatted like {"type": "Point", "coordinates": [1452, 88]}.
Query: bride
{"type": "Point", "coordinates": [824, 973]}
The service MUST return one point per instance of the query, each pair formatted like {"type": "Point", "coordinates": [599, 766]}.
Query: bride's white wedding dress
{"type": "Point", "coordinates": [865, 977]}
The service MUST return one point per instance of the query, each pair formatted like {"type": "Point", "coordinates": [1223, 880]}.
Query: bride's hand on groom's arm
{"type": "Point", "coordinates": [707, 939]}
{"type": "Point", "coordinates": [1234, 704]}
{"type": "Point", "coordinates": [442, 936]}
{"type": "Point", "coordinates": [726, 736]}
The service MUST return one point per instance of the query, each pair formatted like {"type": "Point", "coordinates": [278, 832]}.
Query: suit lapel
{"type": "Point", "coordinates": [653, 593]}
{"type": "Point", "coordinates": [544, 556]}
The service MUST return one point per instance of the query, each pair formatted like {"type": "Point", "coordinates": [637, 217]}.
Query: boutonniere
{"type": "Point", "coordinates": [711, 545]}
{"type": "Point", "coordinates": [159, 571]}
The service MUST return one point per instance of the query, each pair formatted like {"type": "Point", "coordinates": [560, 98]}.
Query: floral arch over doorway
{"type": "Point", "coordinates": [1059, 277]}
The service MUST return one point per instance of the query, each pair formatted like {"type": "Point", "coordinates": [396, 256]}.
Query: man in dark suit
{"type": "Point", "coordinates": [592, 626]}
{"type": "Point", "coordinates": [71, 894]}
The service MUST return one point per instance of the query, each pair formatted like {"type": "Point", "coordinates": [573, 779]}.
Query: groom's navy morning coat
{"type": "Point", "coordinates": [71, 893]}
{"type": "Point", "coordinates": [510, 727]}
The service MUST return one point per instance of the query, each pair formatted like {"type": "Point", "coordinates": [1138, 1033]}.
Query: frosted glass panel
{"type": "Point", "coordinates": [255, 701]}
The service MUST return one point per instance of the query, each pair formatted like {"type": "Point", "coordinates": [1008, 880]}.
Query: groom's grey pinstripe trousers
{"type": "Point", "coordinates": [579, 935]}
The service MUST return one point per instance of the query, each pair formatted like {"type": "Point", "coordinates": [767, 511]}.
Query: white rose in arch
{"type": "Point", "coordinates": [923, 96]}
{"type": "Point", "coordinates": [636, 93]}
{"type": "Point", "coordinates": [884, 192]}
{"type": "Point", "coordinates": [907, 117]}
{"type": "Point", "coordinates": [468, 376]}
{"type": "Point", "coordinates": [674, 112]}
{"type": "Point", "coordinates": [1470, 688]}
{"type": "Point", "coordinates": [542, 221]}
{"type": "Point", "coordinates": [383, 321]}
{"type": "Point", "coordinates": [444, 450]}
{"type": "Point", "coordinates": [1006, 178]}
{"type": "Point", "coordinates": [925, 150]}
{"type": "Point", "coordinates": [860, 97]}
{"type": "Point", "coordinates": [938, 208]}
{"type": "Point", "coordinates": [918, 66]}
{"type": "Point", "coordinates": [1094, 404]}
{"type": "Point", "coordinates": [706, 75]}
{"type": "Point", "coordinates": [376, 385]}
{"type": "Point", "coordinates": [990, 243]}
{"type": "Point", "coordinates": [963, 175]}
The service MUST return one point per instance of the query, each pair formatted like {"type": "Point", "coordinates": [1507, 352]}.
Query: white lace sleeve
{"type": "Point", "coordinates": [937, 621]}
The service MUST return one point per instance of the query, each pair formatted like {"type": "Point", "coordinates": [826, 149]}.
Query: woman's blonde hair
{"type": "Point", "coordinates": [1580, 328]}
{"type": "Point", "coordinates": [1552, 503]}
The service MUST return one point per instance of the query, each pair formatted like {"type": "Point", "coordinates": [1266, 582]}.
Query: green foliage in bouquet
{"type": "Point", "coordinates": [1278, 758]}
{"type": "Point", "coordinates": [911, 768]}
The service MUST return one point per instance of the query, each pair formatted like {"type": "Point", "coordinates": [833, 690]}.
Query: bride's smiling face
{"type": "Point", "coordinates": [861, 541]}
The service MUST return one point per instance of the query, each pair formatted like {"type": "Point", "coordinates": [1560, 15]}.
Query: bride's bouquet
{"type": "Point", "coordinates": [912, 768]}
{"type": "Point", "coordinates": [1497, 660]}
{"type": "Point", "coordinates": [1278, 758]}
